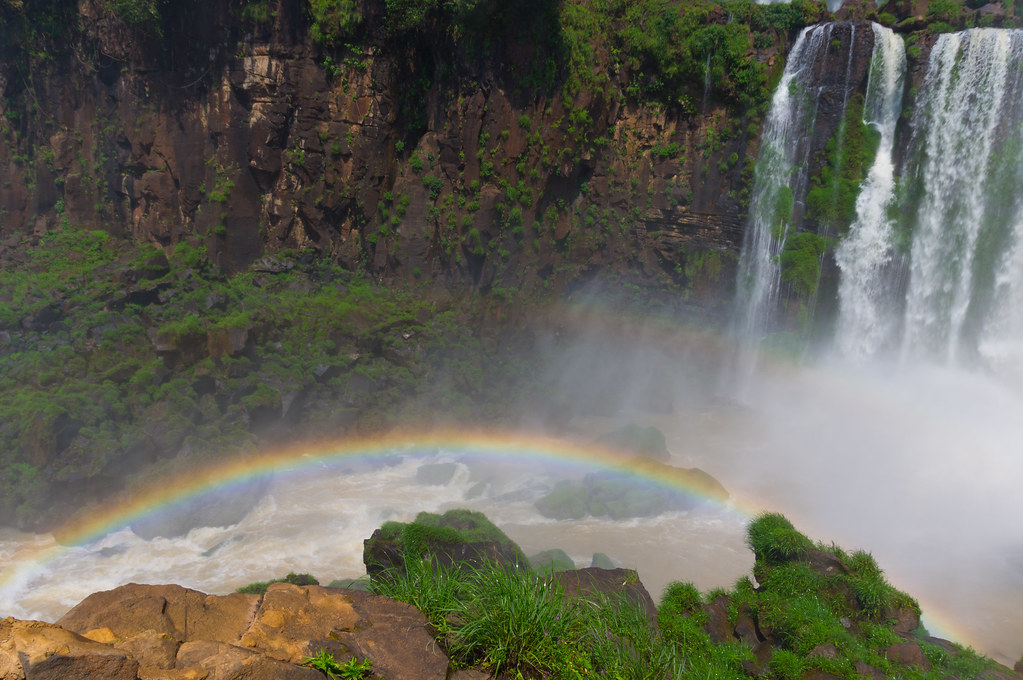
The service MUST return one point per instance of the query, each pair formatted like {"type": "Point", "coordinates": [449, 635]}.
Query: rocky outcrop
{"type": "Point", "coordinates": [41, 650]}
{"type": "Point", "coordinates": [458, 538]}
{"type": "Point", "coordinates": [153, 632]}
{"type": "Point", "coordinates": [610, 584]}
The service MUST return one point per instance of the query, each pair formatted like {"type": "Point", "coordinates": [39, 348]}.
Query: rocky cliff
{"type": "Point", "coordinates": [522, 146]}
{"type": "Point", "coordinates": [194, 193]}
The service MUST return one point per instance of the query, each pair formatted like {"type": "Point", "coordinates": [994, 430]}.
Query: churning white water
{"type": "Point", "coordinates": [315, 522]}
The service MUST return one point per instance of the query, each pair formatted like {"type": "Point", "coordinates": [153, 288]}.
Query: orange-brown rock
{"type": "Point", "coordinates": [176, 632]}
{"type": "Point", "coordinates": [45, 651]}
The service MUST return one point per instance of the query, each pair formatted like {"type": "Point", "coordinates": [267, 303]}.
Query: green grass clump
{"type": "Point", "coordinates": [773, 539]}
{"type": "Point", "coordinates": [426, 585]}
{"type": "Point", "coordinates": [510, 619]}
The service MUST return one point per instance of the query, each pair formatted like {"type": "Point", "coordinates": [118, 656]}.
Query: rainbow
{"type": "Point", "coordinates": [507, 445]}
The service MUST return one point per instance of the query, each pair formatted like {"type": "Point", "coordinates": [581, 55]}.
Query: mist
{"type": "Point", "coordinates": [914, 464]}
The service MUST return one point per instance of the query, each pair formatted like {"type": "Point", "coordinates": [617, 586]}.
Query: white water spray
{"type": "Point", "coordinates": [967, 126]}
{"type": "Point", "coordinates": [778, 177]}
{"type": "Point", "coordinates": [867, 256]}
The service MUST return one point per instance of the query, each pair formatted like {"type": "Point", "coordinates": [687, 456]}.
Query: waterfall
{"type": "Point", "coordinates": [966, 274]}
{"type": "Point", "coordinates": [867, 256]}
{"type": "Point", "coordinates": [780, 179]}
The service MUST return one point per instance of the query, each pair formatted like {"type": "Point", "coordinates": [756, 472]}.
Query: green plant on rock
{"type": "Point", "coordinates": [353, 669]}
{"type": "Point", "coordinates": [849, 154]}
{"type": "Point", "coordinates": [800, 262]}
{"type": "Point", "coordinates": [259, 587]}
{"type": "Point", "coordinates": [143, 14]}
{"type": "Point", "coordinates": [773, 539]}
{"type": "Point", "coordinates": [333, 20]}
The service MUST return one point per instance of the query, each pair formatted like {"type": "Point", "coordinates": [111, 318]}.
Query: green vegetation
{"type": "Point", "coordinates": [422, 535]}
{"type": "Point", "coordinates": [112, 350]}
{"type": "Point", "coordinates": [773, 540]}
{"type": "Point", "coordinates": [810, 598]}
{"type": "Point", "coordinates": [333, 20]}
{"type": "Point", "coordinates": [353, 669]}
{"type": "Point", "coordinates": [517, 621]}
{"type": "Point", "coordinates": [850, 153]}
{"type": "Point", "coordinates": [259, 587]}
{"type": "Point", "coordinates": [800, 262]}
{"type": "Point", "coordinates": [144, 14]}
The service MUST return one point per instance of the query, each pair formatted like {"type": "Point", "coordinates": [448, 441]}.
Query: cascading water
{"type": "Point", "coordinates": [780, 179]}
{"type": "Point", "coordinates": [867, 257]}
{"type": "Point", "coordinates": [964, 271]}
{"type": "Point", "coordinates": [930, 273]}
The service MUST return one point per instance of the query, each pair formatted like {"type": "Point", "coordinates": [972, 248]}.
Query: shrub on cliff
{"type": "Point", "coordinates": [773, 539]}
{"type": "Point", "coordinates": [259, 587]}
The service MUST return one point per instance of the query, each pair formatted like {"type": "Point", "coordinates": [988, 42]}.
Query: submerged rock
{"type": "Point", "coordinates": [221, 508]}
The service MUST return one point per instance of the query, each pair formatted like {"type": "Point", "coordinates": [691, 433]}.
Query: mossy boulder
{"type": "Point", "coordinates": [655, 488]}
{"type": "Point", "coordinates": [458, 537]}
{"type": "Point", "coordinates": [553, 560]}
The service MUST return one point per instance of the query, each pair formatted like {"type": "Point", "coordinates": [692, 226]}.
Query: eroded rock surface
{"type": "Point", "coordinates": [175, 632]}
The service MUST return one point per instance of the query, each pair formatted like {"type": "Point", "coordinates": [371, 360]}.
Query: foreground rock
{"type": "Point", "coordinates": [43, 651]}
{"type": "Point", "coordinates": [169, 633]}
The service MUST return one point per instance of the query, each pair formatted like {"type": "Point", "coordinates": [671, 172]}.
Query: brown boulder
{"type": "Point", "coordinates": [908, 653]}
{"type": "Point", "coordinates": [227, 662]}
{"type": "Point", "coordinates": [40, 651]}
{"type": "Point", "coordinates": [179, 613]}
{"type": "Point", "coordinates": [867, 671]}
{"type": "Point", "coordinates": [295, 622]}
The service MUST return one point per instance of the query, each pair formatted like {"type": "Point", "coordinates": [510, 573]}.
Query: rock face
{"type": "Point", "coordinates": [41, 650]}
{"type": "Point", "coordinates": [168, 631]}
{"type": "Point", "coordinates": [590, 582]}
{"type": "Point", "coordinates": [249, 137]}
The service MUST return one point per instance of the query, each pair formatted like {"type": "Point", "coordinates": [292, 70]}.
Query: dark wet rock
{"type": "Point", "coordinates": [552, 560]}
{"type": "Point", "coordinates": [435, 474]}
{"type": "Point", "coordinates": [595, 583]}
{"type": "Point", "coordinates": [456, 538]}
{"type": "Point", "coordinates": [717, 626]}
{"type": "Point", "coordinates": [908, 653]}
